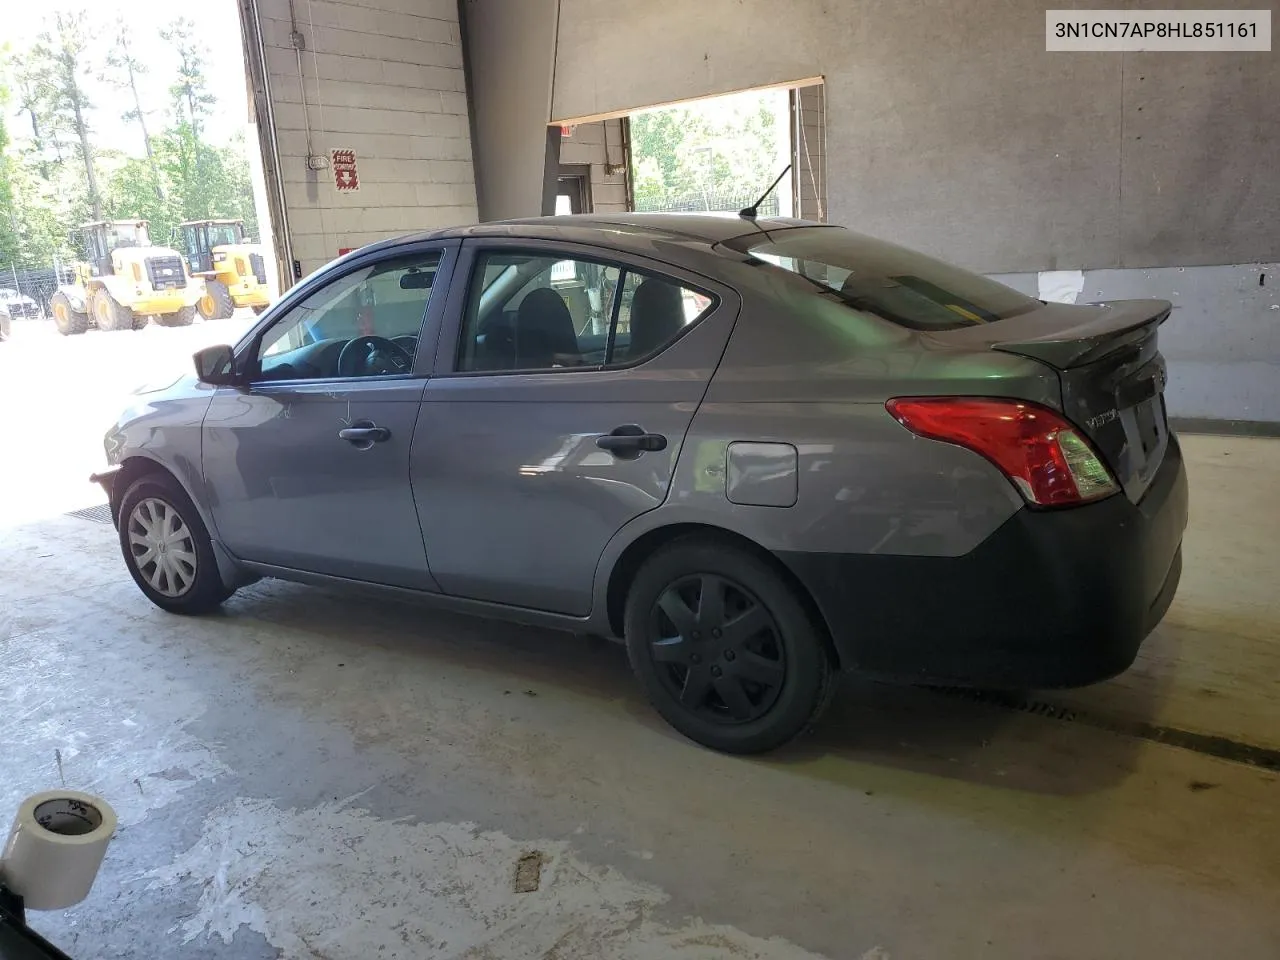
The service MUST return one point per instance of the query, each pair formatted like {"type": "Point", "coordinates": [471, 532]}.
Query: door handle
{"type": "Point", "coordinates": [629, 441]}
{"type": "Point", "coordinates": [364, 434]}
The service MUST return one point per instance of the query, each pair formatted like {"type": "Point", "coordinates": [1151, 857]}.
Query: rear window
{"type": "Point", "coordinates": [902, 286]}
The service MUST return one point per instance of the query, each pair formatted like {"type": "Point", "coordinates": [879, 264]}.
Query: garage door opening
{"type": "Point", "coordinates": [719, 154]}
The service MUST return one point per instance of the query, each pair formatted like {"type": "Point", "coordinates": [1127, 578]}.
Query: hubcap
{"type": "Point", "coordinates": [162, 547]}
{"type": "Point", "coordinates": [718, 650]}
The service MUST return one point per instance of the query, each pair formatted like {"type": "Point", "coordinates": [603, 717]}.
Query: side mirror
{"type": "Point", "coordinates": [216, 365]}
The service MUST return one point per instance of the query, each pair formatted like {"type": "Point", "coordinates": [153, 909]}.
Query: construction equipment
{"type": "Point", "coordinates": [124, 281]}
{"type": "Point", "coordinates": [233, 268]}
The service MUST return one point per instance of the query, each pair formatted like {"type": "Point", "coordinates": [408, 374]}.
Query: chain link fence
{"type": "Point", "coordinates": [25, 289]}
{"type": "Point", "coordinates": [717, 202]}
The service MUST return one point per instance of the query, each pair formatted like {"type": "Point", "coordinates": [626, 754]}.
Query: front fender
{"type": "Point", "coordinates": [75, 296]}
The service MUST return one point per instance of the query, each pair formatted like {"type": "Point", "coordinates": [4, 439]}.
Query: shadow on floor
{"type": "Point", "coordinates": [882, 725]}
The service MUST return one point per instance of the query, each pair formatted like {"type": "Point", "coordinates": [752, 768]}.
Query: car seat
{"type": "Point", "coordinates": [543, 330]}
{"type": "Point", "coordinates": [657, 315]}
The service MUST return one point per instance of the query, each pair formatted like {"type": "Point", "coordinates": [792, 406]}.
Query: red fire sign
{"type": "Point", "coordinates": [345, 175]}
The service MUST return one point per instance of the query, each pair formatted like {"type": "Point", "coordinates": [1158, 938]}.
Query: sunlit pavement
{"type": "Point", "coordinates": [58, 396]}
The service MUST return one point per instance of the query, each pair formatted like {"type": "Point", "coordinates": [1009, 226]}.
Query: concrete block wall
{"type": "Point", "coordinates": [599, 144]}
{"type": "Point", "coordinates": [1221, 339]}
{"type": "Point", "coordinates": [383, 78]}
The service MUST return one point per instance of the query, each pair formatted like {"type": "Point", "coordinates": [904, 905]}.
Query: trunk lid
{"type": "Point", "coordinates": [1111, 371]}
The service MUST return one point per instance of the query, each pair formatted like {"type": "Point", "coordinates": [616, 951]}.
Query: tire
{"type": "Point", "coordinates": [110, 314]}
{"type": "Point", "coordinates": [216, 304]}
{"type": "Point", "coordinates": [66, 318]}
{"type": "Point", "coordinates": [183, 317]}
{"type": "Point", "coordinates": [194, 586]}
{"type": "Point", "coordinates": [259, 309]}
{"type": "Point", "coordinates": [774, 669]}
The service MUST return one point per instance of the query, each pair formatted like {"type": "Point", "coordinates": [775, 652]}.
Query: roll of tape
{"type": "Point", "coordinates": [56, 845]}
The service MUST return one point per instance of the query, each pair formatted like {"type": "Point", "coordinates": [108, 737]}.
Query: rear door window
{"type": "Point", "coordinates": [900, 285]}
{"type": "Point", "coordinates": [528, 311]}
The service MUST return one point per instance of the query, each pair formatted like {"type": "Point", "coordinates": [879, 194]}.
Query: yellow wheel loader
{"type": "Point", "coordinates": [232, 267]}
{"type": "Point", "coordinates": [123, 282]}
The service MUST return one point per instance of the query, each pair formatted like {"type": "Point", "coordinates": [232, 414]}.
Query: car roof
{"type": "Point", "coordinates": [619, 231]}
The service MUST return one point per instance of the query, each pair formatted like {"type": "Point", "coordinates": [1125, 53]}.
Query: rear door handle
{"type": "Point", "coordinates": [364, 434]}
{"type": "Point", "coordinates": [629, 441]}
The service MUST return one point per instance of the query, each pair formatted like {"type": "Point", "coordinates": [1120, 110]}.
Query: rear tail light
{"type": "Point", "coordinates": [1044, 456]}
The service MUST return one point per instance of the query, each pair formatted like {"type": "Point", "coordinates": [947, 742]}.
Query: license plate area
{"type": "Point", "coordinates": [1119, 403]}
{"type": "Point", "coordinates": [1149, 417]}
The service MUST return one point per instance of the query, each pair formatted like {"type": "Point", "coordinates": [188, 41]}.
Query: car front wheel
{"type": "Point", "coordinates": [724, 649]}
{"type": "Point", "coordinates": [167, 548]}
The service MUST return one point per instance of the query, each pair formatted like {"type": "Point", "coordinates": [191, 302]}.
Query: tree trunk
{"type": "Point", "coordinates": [142, 120]}
{"type": "Point", "coordinates": [71, 91]}
{"type": "Point", "coordinates": [86, 154]}
{"type": "Point", "coordinates": [142, 123]}
{"type": "Point", "coordinates": [191, 110]}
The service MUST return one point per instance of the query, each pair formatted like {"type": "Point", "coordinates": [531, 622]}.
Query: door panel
{"type": "Point", "coordinates": [516, 498]}
{"type": "Point", "coordinates": [290, 483]}
{"type": "Point", "coordinates": [291, 492]}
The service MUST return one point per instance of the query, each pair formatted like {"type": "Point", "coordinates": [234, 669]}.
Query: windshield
{"type": "Point", "coordinates": [223, 234]}
{"type": "Point", "coordinates": [908, 288]}
{"type": "Point", "coordinates": [127, 235]}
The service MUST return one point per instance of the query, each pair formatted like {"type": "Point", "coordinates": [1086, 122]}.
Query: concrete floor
{"type": "Point", "coordinates": [313, 775]}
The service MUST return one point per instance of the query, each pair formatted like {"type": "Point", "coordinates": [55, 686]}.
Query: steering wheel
{"type": "Point", "coordinates": [371, 356]}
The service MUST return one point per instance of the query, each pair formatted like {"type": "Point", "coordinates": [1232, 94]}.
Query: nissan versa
{"type": "Point", "coordinates": [759, 451]}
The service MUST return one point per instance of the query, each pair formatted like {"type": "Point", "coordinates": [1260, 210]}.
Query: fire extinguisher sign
{"type": "Point", "coordinates": [345, 175]}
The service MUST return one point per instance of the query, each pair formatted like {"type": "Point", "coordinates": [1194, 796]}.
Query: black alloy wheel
{"type": "Point", "coordinates": [718, 648]}
{"type": "Point", "coordinates": [724, 646]}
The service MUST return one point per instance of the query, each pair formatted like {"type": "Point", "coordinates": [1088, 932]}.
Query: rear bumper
{"type": "Point", "coordinates": [1051, 599]}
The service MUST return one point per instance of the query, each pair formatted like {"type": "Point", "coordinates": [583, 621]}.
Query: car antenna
{"type": "Point", "coordinates": [751, 212]}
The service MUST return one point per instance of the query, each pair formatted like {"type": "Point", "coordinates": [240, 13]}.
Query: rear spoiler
{"type": "Point", "coordinates": [1115, 326]}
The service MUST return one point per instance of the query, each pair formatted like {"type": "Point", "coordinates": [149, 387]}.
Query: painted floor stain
{"type": "Point", "coordinates": [336, 881]}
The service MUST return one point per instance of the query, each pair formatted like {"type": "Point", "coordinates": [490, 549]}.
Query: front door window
{"type": "Point", "coordinates": [363, 324]}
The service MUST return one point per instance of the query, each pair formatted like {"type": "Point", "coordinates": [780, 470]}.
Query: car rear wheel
{"type": "Point", "coordinates": [724, 649]}
{"type": "Point", "coordinates": [216, 304]}
{"type": "Point", "coordinates": [167, 548]}
{"type": "Point", "coordinates": [68, 320]}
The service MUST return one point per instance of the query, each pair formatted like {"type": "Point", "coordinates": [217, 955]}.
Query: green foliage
{"type": "Point", "coordinates": [8, 225]}
{"type": "Point", "coordinates": [198, 182]}
{"type": "Point", "coordinates": [57, 69]}
{"type": "Point", "coordinates": [48, 184]}
{"type": "Point", "coordinates": [190, 91]}
{"type": "Point", "coordinates": [691, 154]}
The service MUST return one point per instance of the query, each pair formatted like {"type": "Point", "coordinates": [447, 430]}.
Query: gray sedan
{"type": "Point", "coordinates": [760, 452]}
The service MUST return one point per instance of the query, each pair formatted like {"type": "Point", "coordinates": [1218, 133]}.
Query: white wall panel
{"type": "Point", "coordinates": [383, 78]}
